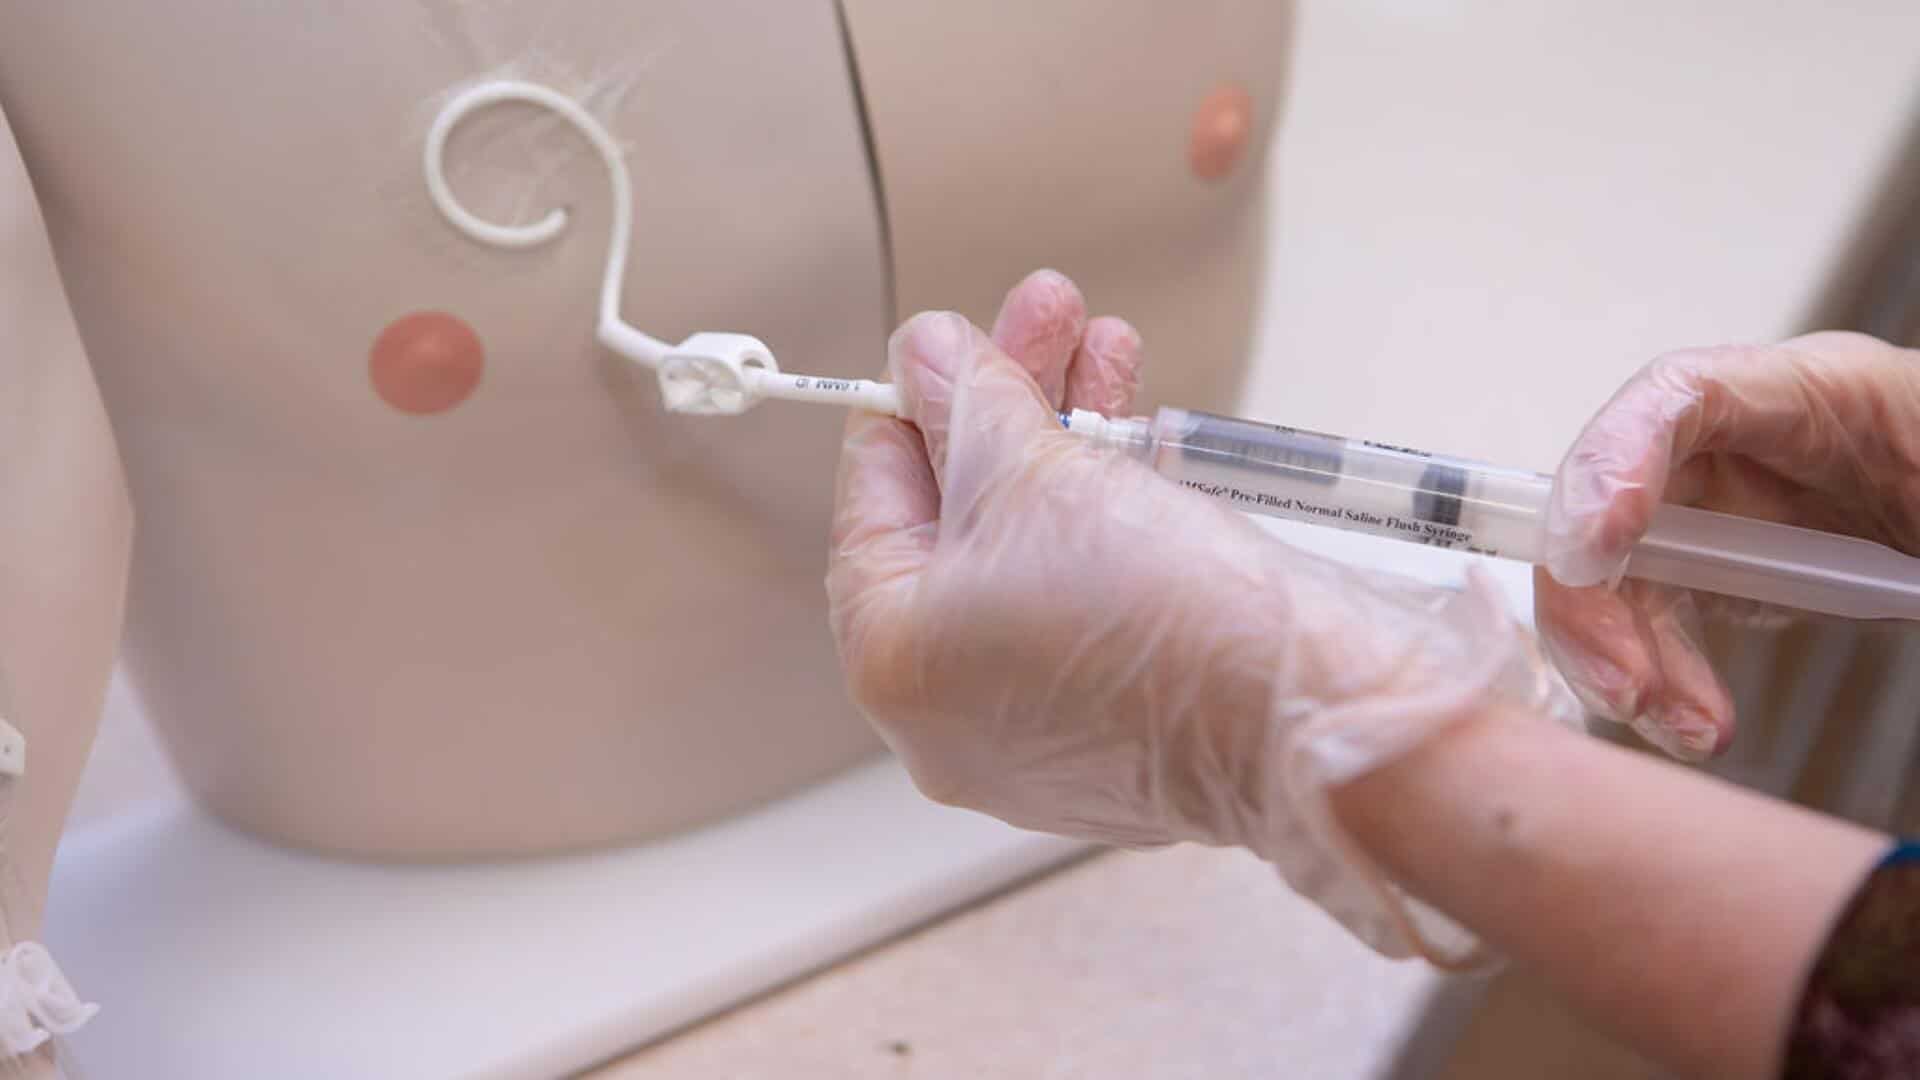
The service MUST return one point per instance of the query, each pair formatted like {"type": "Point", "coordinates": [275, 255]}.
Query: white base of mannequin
{"type": "Point", "coordinates": [216, 956]}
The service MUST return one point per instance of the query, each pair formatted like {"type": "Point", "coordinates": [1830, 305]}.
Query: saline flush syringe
{"type": "Point", "coordinates": [1446, 502]}
{"type": "Point", "coordinates": [1375, 488]}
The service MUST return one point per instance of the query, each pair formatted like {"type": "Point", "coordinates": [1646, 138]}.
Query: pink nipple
{"type": "Point", "coordinates": [426, 362]}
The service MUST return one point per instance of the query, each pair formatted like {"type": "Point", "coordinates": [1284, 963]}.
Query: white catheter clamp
{"type": "Point", "coordinates": [715, 374]}
{"type": "Point", "coordinates": [36, 1000]}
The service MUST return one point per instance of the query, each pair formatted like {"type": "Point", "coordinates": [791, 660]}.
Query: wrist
{"type": "Point", "coordinates": [1388, 812]}
{"type": "Point", "coordinates": [1395, 682]}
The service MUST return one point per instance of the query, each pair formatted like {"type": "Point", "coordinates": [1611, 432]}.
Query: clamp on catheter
{"type": "Point", "coordinates": [710, 373]}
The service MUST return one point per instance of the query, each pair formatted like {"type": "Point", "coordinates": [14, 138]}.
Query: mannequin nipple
{"type": "Point", "coordinates": [426, 362]}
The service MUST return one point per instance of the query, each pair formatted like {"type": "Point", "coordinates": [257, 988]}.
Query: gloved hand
{"type": "Point", "coordinates": [1821, 431]}
{"type": "Point", "coordinates": [1060, 637]}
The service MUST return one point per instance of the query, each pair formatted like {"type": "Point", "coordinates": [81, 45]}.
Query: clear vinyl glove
{"type": "Point", "coordinates": [1822, 431]}
{"type": "Point", "coordinates": [1064, 639]}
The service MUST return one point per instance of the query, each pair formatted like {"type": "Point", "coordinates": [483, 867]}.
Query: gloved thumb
{"type": "Point", "coordinates": [977, 409]}
{"type": "Point", "coordinates": [1612, 479]}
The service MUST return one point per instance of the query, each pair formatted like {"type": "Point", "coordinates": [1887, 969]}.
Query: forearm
{"type": "Point", "coordinates": [1676, 911]}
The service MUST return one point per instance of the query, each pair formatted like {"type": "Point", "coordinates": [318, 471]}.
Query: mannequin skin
{"type": "Point", "coordinates": [421, 571]}
{"type": "Point", "coordinates": [497, 619]}
{"type": "Point", "coordinates": [63, 567]}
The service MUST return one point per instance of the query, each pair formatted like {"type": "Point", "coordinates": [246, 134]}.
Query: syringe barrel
{"type": "Point", "coordinates": [1448, 502]}
{"type": "Point", "coordinates": [1348, 483]}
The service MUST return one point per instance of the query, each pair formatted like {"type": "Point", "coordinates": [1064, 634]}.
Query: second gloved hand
{"type": "Point", "coordinates": [1064, 639]}
{"type": "Point", "coordinates": [1822, 431]}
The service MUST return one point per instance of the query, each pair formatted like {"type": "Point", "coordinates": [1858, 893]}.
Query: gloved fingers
{"type": "Point", "coordinates": [1826, 409]}
{"type": "Point", "coordinates": [1846, 406]}
{"type": "Point", "coordinates": [1595, 638]}
{"type": "Point", "coordinates": [884, 491]}
{"type": "Point", "coordinates": [885, 514]}
{"type": "Point", "coordinates": [1690, 712]}
{"type": "Point", "coordinates": [1633, 657]}
{"type": "Point", "coordinates": [1614, 476]}
{"type": "Point", "coordinates": [966, 396]}
{"type": "Point", "coordinates": [1826, 415]}
{"type": "Point", "coordinates": [1655, 430]}
{"type": "Point", "coordinates": [1752, 614]}
{"type": "Point", "coordinates": [1739, 485]}
{"type": "Point", "coordinates": [922, 355]}
{"type": "Point", "coordinates": [886, 494]}
{"type": "Point", "coordinates": [1040, 325]}
{"type": "Point", "coordinates": [1105, 373]}
{"type": "Point", "coordinates": [1811, 413]}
